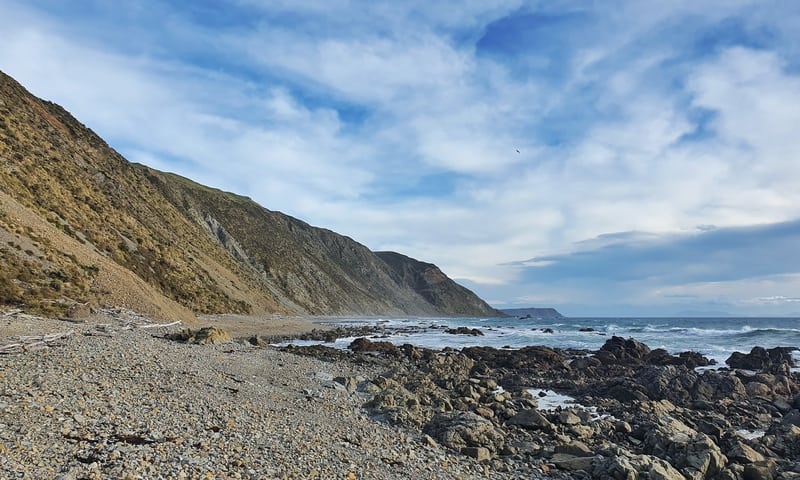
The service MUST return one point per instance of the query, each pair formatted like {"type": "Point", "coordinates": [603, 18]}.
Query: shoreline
{"type": "Point", "coordinates": [118, 397]}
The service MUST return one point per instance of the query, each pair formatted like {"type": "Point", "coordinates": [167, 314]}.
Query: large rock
{"type": "Point", "coordinates": [366, 345]}
{"type": "Point", "coordinates": [691, 360]}
{"type": "Point", "coordinates": [565, 461]}
{"type": "Point", "coordinates": [460, 430]}
{"type": "Point", "coordinates": [695, 454]}
{"type": "Point", "coordinates": [531, 419]}
{"type": "Point", "coordinates": [671, 383]}
{"type": "Point", "coordinates": [744, 454]}
{"type": "Point", "coordinates": [396, 404]}
{"type": "Point", "coordinates": [464, 331]}
{"type": "Point", "coordinates": [531, 358]}
{"type": "Point", "coordinates": [204, 336]}
{"type": "Point", "coordinates": [618, 463]}
{"type": "Point", "coordinates": [618, 350]}
{"type": "Point", "coordinates": [764, 470]}
{"type": "Point", "coordinates": [774, 360]}
{"type": "Point", "coordinates": [713, 386]}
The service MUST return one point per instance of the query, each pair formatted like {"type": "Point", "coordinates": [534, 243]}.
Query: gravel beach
{"type": "Point", "coordinates": [111, 401]}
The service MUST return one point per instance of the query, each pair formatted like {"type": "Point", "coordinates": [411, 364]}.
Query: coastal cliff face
{"type": "Point", "coordinates": [432, 284]}
{"type": "Point", "coordinates": [81, 226]}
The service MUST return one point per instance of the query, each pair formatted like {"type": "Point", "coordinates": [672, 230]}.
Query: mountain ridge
{"type": "Point", "coordinates": [81, 225]}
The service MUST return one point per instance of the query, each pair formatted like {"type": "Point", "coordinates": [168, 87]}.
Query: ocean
{"type": "Point", "coordinates": [716, 338]}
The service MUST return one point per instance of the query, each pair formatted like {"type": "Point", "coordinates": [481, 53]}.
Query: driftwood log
{"type": "Point", "coordinates": [124, 320]}
{"type": "Point", "coordinates": [28, 343]}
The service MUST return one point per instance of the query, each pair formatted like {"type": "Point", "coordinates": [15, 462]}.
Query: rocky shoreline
{"type": "Point", "coordinates": [642, 413]}
{"type": "Point", "coordinates": [122, 400]}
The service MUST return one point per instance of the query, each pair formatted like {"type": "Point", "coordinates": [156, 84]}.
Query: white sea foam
{"type": "Point", "coordinates": [749, 434]}
{"type": "Point", "coordinates": [714, 338]}
{"type": "Point", "coordinates": [550, 401]}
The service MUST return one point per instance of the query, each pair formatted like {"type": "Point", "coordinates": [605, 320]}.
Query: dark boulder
{"type": "Point", "coordinates": [694, 360]}
{"type": "Point", "coordinates": [366, 345]}
{"type": "Point", "coordinates": [661, 357]}
{"type": "Point", "coordinates": [714, 386]}
{"type": "Point", "coordinates": [460, 430]}
{"type": "Point", "coordinates": [534, 359]}
{"type": "Point", "coordinates": [773, 360]}
{"type": "Point", "coordinates": [618, 350]}
{"type": "Point", "coordinates": [671, 383]}
{"type": "Point", "coordinates": [464, 331]}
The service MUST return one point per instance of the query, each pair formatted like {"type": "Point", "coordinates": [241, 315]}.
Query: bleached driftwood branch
{"type": "Point", "coordinates": [157, 325]}
{"type": "Point", "coordinates": [28, 343]}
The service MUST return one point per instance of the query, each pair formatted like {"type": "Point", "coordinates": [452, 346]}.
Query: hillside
{"type": "Point", "coordinates": [439, 290]}
{"type": "Point", "coordinates": [81, 226]}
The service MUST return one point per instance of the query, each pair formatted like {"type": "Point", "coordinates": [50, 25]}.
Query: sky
{"type": "Point", "coordinates": [614, 158]}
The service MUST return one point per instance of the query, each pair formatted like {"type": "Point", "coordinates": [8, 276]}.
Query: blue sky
{"type": "Point", "coordinates": [603, 158]}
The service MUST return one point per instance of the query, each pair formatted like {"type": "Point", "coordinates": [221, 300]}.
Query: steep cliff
{"type": "Point", "coordinates": [432, 284]}
{"type": "Point", "coordinates": [80, 225]}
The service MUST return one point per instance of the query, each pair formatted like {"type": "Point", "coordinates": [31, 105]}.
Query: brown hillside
{"type": "Point", "coordinates": [79, 223]}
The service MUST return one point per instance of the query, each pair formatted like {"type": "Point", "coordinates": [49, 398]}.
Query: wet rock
{"type": "Point", "coordinates": [773, 360]}
{"type": "Point", "coordinates": [366, 345]}
{"type": "Point", "coordinates": [458, 430]}
{"type": "Point", "coordinates": [783, 438]}
{"type": "Point", "coordinates": [464, 331]}
{"type": "Point", "coordinates": [622, 351]}
{"type": "Point", "coordinates": [758, 389]}
{"type": "Point", "coordinates": [622, 427]}
{"type": "Point", "coordinates": [534, 358]}
{"type": "Point", "coordinates": [689, 360]}
{"type": "Point", "coordinates": [782, 405]}
{"type": "Point", "coordinates": [584, 363]}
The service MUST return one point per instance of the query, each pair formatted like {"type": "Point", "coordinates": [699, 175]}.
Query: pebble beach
{"type": "Point", "coordinates": [122, 402]}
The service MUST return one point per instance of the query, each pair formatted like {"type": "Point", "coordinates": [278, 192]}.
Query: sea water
{"type": "Point", "coordinates": [716, 338]}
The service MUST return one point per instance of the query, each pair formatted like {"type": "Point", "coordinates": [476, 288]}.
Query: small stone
{"type": "Point", "coordinates": [568, 418]}
{"type": "Point", "coordinates": [575, 448]}
{"type": "Point", "coordinates": [429, 441]}
{"type": "Point", "coordinates": [480, 454]}
{"type": "Point", "coordinates": [622, 427]}
{"type": "Point", "coordinates": [570, 462]}
{"type": "Point", "coordinates": [531, 419]}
